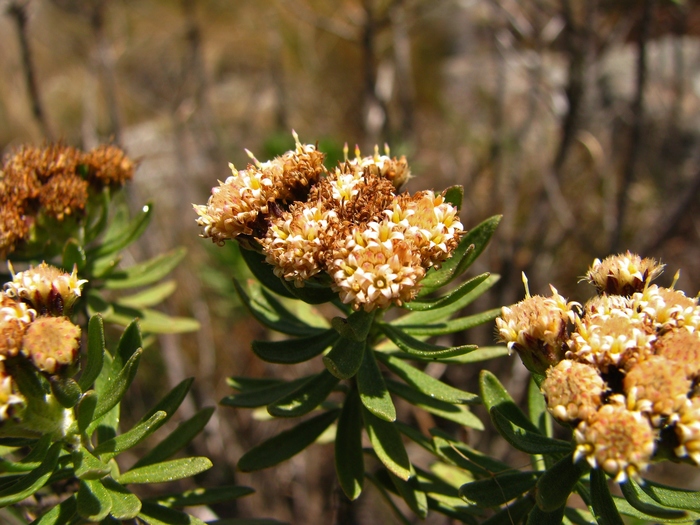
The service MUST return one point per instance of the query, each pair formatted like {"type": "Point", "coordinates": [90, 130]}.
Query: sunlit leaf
{"type": "Point", "coordinates": [356, 326]}
{"type": "Point", "coordinates": [65, 390]}
{"type": "Point", "coordinates": [202, 496]}
{"type": "Point", "coordinates": [412, 494]}
{"type": "Point", "coordinates": [524, 439]}
{"type": "Point", "coordinates": [87, 466]}
{"type": "Point", "coordinates": [150, 296]}
{"type": "Point", "coordinates": [601, 500]}
{"type": "Point", "coordinates": [94, 502]}
{"type": "Point", "coordinates": [155, 514]}
{"type": "Point", "coordinates": [672, 497]}
{"type": "Point", "coordinates": [641, 501]}
{"type": "Point", "coordinates": [263, 395]}
{"type": "Point", "coordinates": [494, 394]}
{"type": "Point", "coordinates": [298, 350]}
{"type": "Point", "coordinates": [414, 346]}
{"type": "Point", "coordinates": [28, 484]}
{"type": "Point", "coordinates": [166, 471]}
{"type": "Point", "coordinates": [449, 298]}
{"type": "Point", "coordinates": [388, 445]}
{"type": "Point", "coordinates": [125, 237]}
{"type": "Point", "coordinates": [95, 353]}
{"type": "Point", "coordinates": [450, 326]}
{"type": "Point", "coordinates": [498, 489]}
{"type": "Point", "coordinates": [147, 272]}
{"type": "Point", "coordinates": [125, 505]}
{"type": "Point", "coordinates": [557, 483]}
{"type": "Point", "coordinates": [132, 437]}
{"type": "Point", "coordinates": [373, 391]}
{"type": "Point", "coordinates": [345, 358]}
{"type": "Point", "coordinates": [60, 514]}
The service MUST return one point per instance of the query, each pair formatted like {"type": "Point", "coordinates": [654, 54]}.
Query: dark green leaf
{"type": "Point", "coordinates": [65, 390]}
{"type": "Point", "coordinates": [387, 498]}
{"type": "Point", "coordinates": [425, 383]}
{"type": "Point", "coordinates": [513, 513]}
{"type": "Point", "coordinates": [494, 394]}
{"type": "Point", "coordinates": [166, 471]}
{"type": "Point", "coordinates": [61, 514]}
{"type": "Point", "coordinates": [483, 353]}
{"type": "Point", "coordinates": [264, 395]}
{"type": "Point", "coordinates": [311, 293]}
{"type": "Point", "coordinates": [86, 410]}
{"type": "Point", "coordinates": [126, 236]}
{"type": "Point", "coordinates": [95, 353]}
{"type": "Point", "coordinates": [270, 312]}
{"type": "Point", "coordinates": [421, 305]}
{"type": "Point", "coordinates": [450, 411]}
{"type": "Point", "coordinates": [416, 347]}
{"type": "Point", "coordinates": [28, 484]}
{"type": "Point", "coordinates": [87, 466]}
{"type": "Point", "coordinates": [345, 358]}
{"type": "Point", "coordinates": [129, 342]}
{"type": "Point", "coordinates": [94, 502]}
{"type": "Point", "coordinates": [32, 460]}
{"type": "Point", "coordinates": [624, 507]}
{"type": "Point", "coordinates": [202, 496]}
{"type": "Point", "coordinates": [452, 325]}
{"type": "Point", "coordinates": [411, 492]}
{"type": "Point", "coordinates": [538, 516]}
{"type": "Point", "coordinates": [306, 397]}
{"type": "Point", "coordinates": [557, 483]}
{"type": "Point", "coordinates": [171, 401]}
{"type": "Point", "coordinates": [349, 461]}
{"type": "Point", "coordinates": [155, 514]}
{"type": "Point", "coordinates": [131, 438]}
{"type": "Point", "coordinates": [286, 444]}
{"type": "Point", "coordinates": [537, 409]}
{"type": "Point", "coordinates": [601, 500]}
{"type": "Point", "coordinates": [672, 497]}
{"type": "Point", "coordinates": [464, 456]}
{"type": "Point", "coordinates": [125, 505]}
{"type": "Point", "coordinates": [31, 383]}
{"type": "Point", "coordinates": [178, 439]}
{"type": "Point", "coordinates": [291, 351]}
{"type": "Point", "coordinates": [644, 503]}
{"type": "Point", "coordinates": [116, 388]}
{"type": "Point", "coordinates": [386, 442]}
{"type": "Point", "coordinates": [147, 272]}
{"type": "Point", "coordinates": [498, 489]}
{"type": "Point", "coordinates": [524, 439]}
{"type": "Point", "coordinates": [73, 256]}
{"type": "Point", "coordinates": [264, 273]}
{"type": "Point", "coordinates": [454, 195]}
{"type": "Point", "coordinates": [356, 326]}
{"type": "Point", "coordinates": [373, 392]}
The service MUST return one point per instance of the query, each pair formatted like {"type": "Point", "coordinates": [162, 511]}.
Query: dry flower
{"type": "Point", "coordinates": [51, 343]}
{"type": "Point", "coordinates": [623, 274]}
{"type": "Point", "coordinates": [47, 288]}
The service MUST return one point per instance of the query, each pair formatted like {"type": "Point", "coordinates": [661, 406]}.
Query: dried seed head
{"type": "Point", "coordinates": [51, 343]}
{"type": "Point", "coordinates": [617, 440]}
{"type": "Point", "coordinates": [42, 163]}
{"type": "Point", "coordinates": [14, 227]}
{"type": "Point", "coordinates": [393, 169]}
{"type": "Point", "coordinates": [15, 317]}
{"type": "Point", "coordinates": [623, 274]}
{"type": "Point", "coordinates": [109, 164]}
{"type": "Point", "coordinates": [47, 288]}
{"type": "Point", "coordinates": [656, 387]}
{"type": "Point", "coordinates": [63, 194]}
{"type": "Point", "coordinates": [573, 390]}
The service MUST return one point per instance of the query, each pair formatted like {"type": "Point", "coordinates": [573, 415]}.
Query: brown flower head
{"type": "Point", "coordinates": [617, 440]}
{"type": "Point", "coordinates": [300, 168]}
{"type": "Point", "coordinates": [396, 170]}
{"type": "Point", "coordinates": [63, 194]}
{"type": "Point", "coordinates": [682, 346]}
{"type": "Point", "coordinates": [537, 329]}
{"type": "Point", "coordinates": [688, 430]}
{"type": "Point", "coordinates": [11, 400]}
{"type": "Point", "coordinates": [43, 163]}
{"type": "Point", "coordinates": [51, 343]}
{"type": "Point", "coordinates": [14, 227]}
{"type": "Point", "coordinates": [47, 288]}
{"type": "Point", "coordinates": [573, 390]}
{"type": "Point", "coordinates": [109, 164]}
{"type": "Point", "coordinates": [15, 317]}
{"type": "Point", "coordinates": [657, 387]}
{"type": "Point", "coordinates": [623, 274]}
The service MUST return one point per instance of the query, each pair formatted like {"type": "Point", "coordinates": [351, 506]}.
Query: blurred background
{"type": "Point", "coordinates": [577, 120]}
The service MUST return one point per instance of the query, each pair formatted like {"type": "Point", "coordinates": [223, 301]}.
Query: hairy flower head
{"type": "Point", "coordinates": [682, 346]}
{"type": "Point", "coordinates": [15, 317]}
{"type": "Point", "coordinates": [109, 164]}
{"type": "Point", "coordinates": [51, 343]}
{"type": "Point", "coordinates": [574, 391]}
{"type": "Point", "coordinates": [687, 430]}
{"type": "Point", "coordinates": [11, 400]}
{"type": "Point", "coordinates": [63, 194]}
{"type": "Point", "coordinates": [623, 274]}
{"type": "Point", "coordinates": [393, 169]}
{"type": "Point", "coordinates": [47, 288]}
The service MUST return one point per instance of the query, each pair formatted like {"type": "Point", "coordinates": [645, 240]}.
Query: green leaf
{"type": "Point", "coordinates": [73, 256]}
{"type": "Point", "coordinates": [270, 312]}
{"type": "Point", "coordinates": [558, 482]}
{"type": "Point", "coordinates": [425, 383]}
{"type": "Point", "coordinates": [129, 342]}
{"type": "Point", "coordinates": [498, 489]}
{"type": "Point", "coordinates": [438, 315]}
{"type": "Point", "coordinates": [86, 410]}
{"type": "Point", "coordinates": [60, 514]}
{"type": "Point", "coordinates": [466, 457]}
{"type": "Point", "coordinates": [155, 514]}
{"type": "Point", "coordinates": [94, 502]}
{"type": "Point", "coordinates": [373, 392]}
{"type": "Point", "coordinates": [454, 195]}
{"type": "Point", "coordinates": [311, 293]}
{"type": "Point", "coordinates": [125, 505]}
{"type": "Point", "coordinates": [349, 461]}
{"type": "Point", "coordinates": [524, 439]}
{"type": "Point", "coordinates": [87, 466]}
{"type": "Point", "coordinates": [387, 444]}
{"type": "Point", "coordinates": [286, 444]}
{"type": "Point", "coordinates": [462, 257]}
{"type": "Point", "coordinates": [452, 412]}
{"type": "Point", "coordinates": [494, 394]}
{"type": "Point", "coordinates": [624, 507]}
{"type": "Point", "coordinates": [356, 326]}
{"type": "Point", "coordinates": [452, 325]}
{"type": "Point", "coordinates": [114, 390]}
{"type": "Point", "coordinates": [178, 439]}
{"type": "Point", "coordinates": [381, 487]}
{"type": "Point", "coordinates": [538, 516]}
{"type": "Point", "coordinates": [95, 353]}
{"type": "Point", "coordinates": [412, 494]}
{"type": "Point", "coordinates": [131, 438]}
{"type": "Point", "coordinates": [147, 272]}
{"type": "Point", "coordinates": [263, 272]}
{"type": "Point", "coordinates": [292, 351]}
{"type": "Point", "coordinates": [306, 397]}
{"type": "Point", "coordinates": [28, 484]}
{"type": "Point", "coordinates": [171, 401]}
{"type": "Point", "coordinates": [65, 390]}
{"type": "Point", "coordinates": [641, 501]}
{"type": "Point", "coordinates": [150, 296]}
{"type": "Point", "coordinates": [537, 409]}
{"type": "Point", "coordinates": [31, 383]}
{"type": "Point", "coordinates": [151, 321]}
{"type": "Point", "coordinates": [345, 358]}
{"type": "Point", "coordinates": [267, 393]}
{"type": "Point", "coordinates": [202, 496]}
{"type": "Point", "coordinates": [483, 353]}
{"type": "Point", "coordinates": [672, 497]}
{"type": "Point", "coordinates": [422, 305]}
{"type": "Point", "coordinates": [166, 471]}
{"type": "Point", "coordinates": [125, 237]}
{"type": "Point", "coordinates": [414, 346]}
{"type": "Point", "coordinates": [601, 500]}
{"type": "Point", "coordinates": [513, 513]}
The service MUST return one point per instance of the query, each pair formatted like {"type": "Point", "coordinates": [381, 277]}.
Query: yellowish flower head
{"type": "Point", "coordinates": [623, 274]}
{"type": "Point", "coordinates": [51, 343]}
{"type": "Point", "coordinates": [47, 288]}
{"type": "Point", "coordinates": [574, 391]}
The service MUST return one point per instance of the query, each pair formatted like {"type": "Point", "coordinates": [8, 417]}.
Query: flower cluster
{"type": "Point", "coordinates": [620, 369]}
{"type": "Point", "coordinates": [33, 322]}
{"type": "Point", "coordinates": [350, 224]}
{"type": "Point", "coordinates": [54, 181]}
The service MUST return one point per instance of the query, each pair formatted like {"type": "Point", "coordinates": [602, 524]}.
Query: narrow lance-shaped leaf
{"type": "Point", "coordinates": [116, 389]}
{"type": "Point", "coordinates": [451, 297]}
{"type": "Point", "coordinates": [387, 444]}
{"type": "Point", "coordinates": [672, 497]}
{"type": "Point", "coordinates": [132, 437]}
{"type": "Point", "coordinates": [419, 348]}
{"type": "Point", "coordinates": [166, 471]}
{"type": "Point", "coordinates": [150, 296]}
{"type": "Point", "coordinates": [95, 353]}
{"type": "Point", "coordinates": [292, 351]}
{"type": "Point", "coordinates": [644, 503]}
{"type": "Point", "coordinates": [412, 494]}
{"type": "Point", "coordinates": [171, 401]}
{"type": "Point", "coordinates": [264, 394]}
{"type": "Point", "coordinates": [73, 256]}
{"type": "Point", "coordinates": [28, 484]}
{"type": "Point", "coordinates": [147, 272]}
{"type": "Point", "coordinates": [601, 500]}
{"type": "Point", "coordinates": [494, 394]}
{"type": "Point", "coordinates": [499, 489]}
{"type": "Point", "coordinates": [373, 391]}
{"type": "Point", "coordinates": [349, 461]}
{"type": "Point", "coordinates": [306, 397]}
{"type": "Point", "coordinates": [286, 444]}
{"type": "Point", "coordinates": [87, 466]}
{"type": "Point", "coordinates": [356, 326]}
{"type": "Point", "coordinates": [450, 326]}
{"type": "Point", "coordinates": [125, 505]}
{"type": "Point", "coordinates": [345, 358]}
{"type": "Point", "coordinates": [556, 484]}
{"type": "Point", "coordinates": [202, 496]}
{"type": "Point", "coordinates": [524, 439]}
{"type": "Point", "coordinates": [178, 439]}
{"type": "Point", "coordinates": [154, 514]}
{"type": "Point", "coordinates": [129, 342]}
{"type": "Point", "coordinates": [538, 516]}
{"type": "Point", "coordinates": [61, 514]}
{"type": "Point", "coordinates": [129, 234]}
{"type": "Point", "coordinates": [264, 272]}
